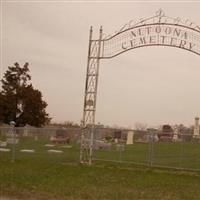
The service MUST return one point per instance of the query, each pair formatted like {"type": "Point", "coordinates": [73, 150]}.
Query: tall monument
{"type": "Point", "coordinates": [196, 133]}
{"type": "Point", "coordinates": [130, 136]}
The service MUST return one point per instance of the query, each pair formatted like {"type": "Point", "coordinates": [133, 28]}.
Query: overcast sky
{"type": "Point", "coordinates": [153, 85]}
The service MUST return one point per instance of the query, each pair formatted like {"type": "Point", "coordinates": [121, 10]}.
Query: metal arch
{"type": "Point", "coordinates": [160, 18]}
{"type": "Point", "coordinates": [150, 45]}
{"type": "Point", "coordinates": [88, 121]}
{"type": "Point", "coordinates": [96, 52]}
{"type": "Point", "coordinates": [113, 46]}
{"type": "Point", "coordinates": [138, 26]}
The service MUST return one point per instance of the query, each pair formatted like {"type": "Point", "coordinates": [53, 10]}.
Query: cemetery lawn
{"type": "Point", "coordinates": [44, 179]}
{"type": "Point", "coordinates": [47, 176]}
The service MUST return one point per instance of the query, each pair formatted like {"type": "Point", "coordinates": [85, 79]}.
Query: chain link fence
{"type": "Point", "coordinates": [181, 151]}
{"type": "Point", "coordinates": [60, 145]}
{"type": "Point", "coordinates": [43, 144]}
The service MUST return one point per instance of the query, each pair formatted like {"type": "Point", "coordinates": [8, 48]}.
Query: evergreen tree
{"type": "Point", "coordinates": [19, 101]}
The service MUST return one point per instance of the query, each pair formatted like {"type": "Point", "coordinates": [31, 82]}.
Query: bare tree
{"type": "Point", "coordinates": [140, 126]}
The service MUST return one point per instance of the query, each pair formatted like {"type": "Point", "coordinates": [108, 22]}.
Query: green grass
{"type": "Point", "coordinates": [42, 176]}
{"type": "Point", "coordinates": [175, 155]}
{"type": "Point", "coordinates": [47, 180]}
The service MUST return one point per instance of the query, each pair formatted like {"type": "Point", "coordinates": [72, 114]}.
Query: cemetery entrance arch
{"type": "Point", "coordinates": [159, 30]}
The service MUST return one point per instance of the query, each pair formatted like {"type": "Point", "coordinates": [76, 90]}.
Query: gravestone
{"type": "Point", "coordinates": [28, 150]}
{"type": "Point", "coordinates": [3, 144]}
{"type": "Point", "coordinates": [175, 136]}
{"type": "Point", "coordinates": [196, 133]}
{"type": "Point", "coordinates": [4, 149]}
{"type": "Point", "coordinates": [99, 144]}
{"type": "Point", "coordinates": [54, 151]}
{"type": "Point", "coordinates": [130, 135]}
{"type": "Point", "coordinates": [49, 145]}
{"type": "Point", "coordinates": [116, 140]}
{"type": "Point", "coordinates": [12, 140]}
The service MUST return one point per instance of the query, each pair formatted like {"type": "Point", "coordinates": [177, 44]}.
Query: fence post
{"type": "Point", "coordinates": [13, 139]}
{"type": "Point", "coordinates": [120, 153]}
{"type": "Point", "coordinates": [181, 154]}
{"type": "Point", "coordinates": [151, 141]}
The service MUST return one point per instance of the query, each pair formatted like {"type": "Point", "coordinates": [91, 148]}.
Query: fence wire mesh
{"type": "Point", "coordinates": [148, 148]}
{"type": "Point", "coordinates": [58, 145]}
{"type": "Point", "coordinates": [40, 144]}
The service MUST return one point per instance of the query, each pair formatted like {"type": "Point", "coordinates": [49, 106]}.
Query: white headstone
{"type": "Point", "coordinates": [3, 144]}
{"type": "Point", "coordinates": [175, 136]}
{"type": "Point", "coordinates": [130, 135]}
{"type": "Point", "coordinates": [67, 146]}
{"type": "Point", "coordinates": [12, 140]}
{"type": "Point", "coordinates": [116, 140]}
{"type": "Point", "coordinates": [54, 151]}
{"type": "Point", "coordinates": [155, 139]}
{"type": "Point", "coordinates": [49, 145]}
{"type": "Point", "coordinates": [4, 149]}
{"type": "Point", "coordinates": [28, 150]}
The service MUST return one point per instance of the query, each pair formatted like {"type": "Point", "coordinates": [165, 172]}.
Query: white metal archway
{"type": "Point", "coordinates": [159, 30]}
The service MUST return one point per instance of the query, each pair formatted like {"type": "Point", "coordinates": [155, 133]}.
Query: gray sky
{"type": "Point", "coordinates": [154, 85]}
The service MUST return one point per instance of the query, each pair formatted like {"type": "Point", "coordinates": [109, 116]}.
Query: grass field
{"type": "Point", "coordinates": [174, 155]}
{"type": "Point", "coordinates": [42, 175]}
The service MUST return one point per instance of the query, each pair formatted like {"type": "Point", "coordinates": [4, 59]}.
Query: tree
{"type": "Point", "coordinates": [19, 101]}
{"type": "Point", "coordinates": [1, 108]}
{"type": "Point", "coordinates": [140, 126]}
